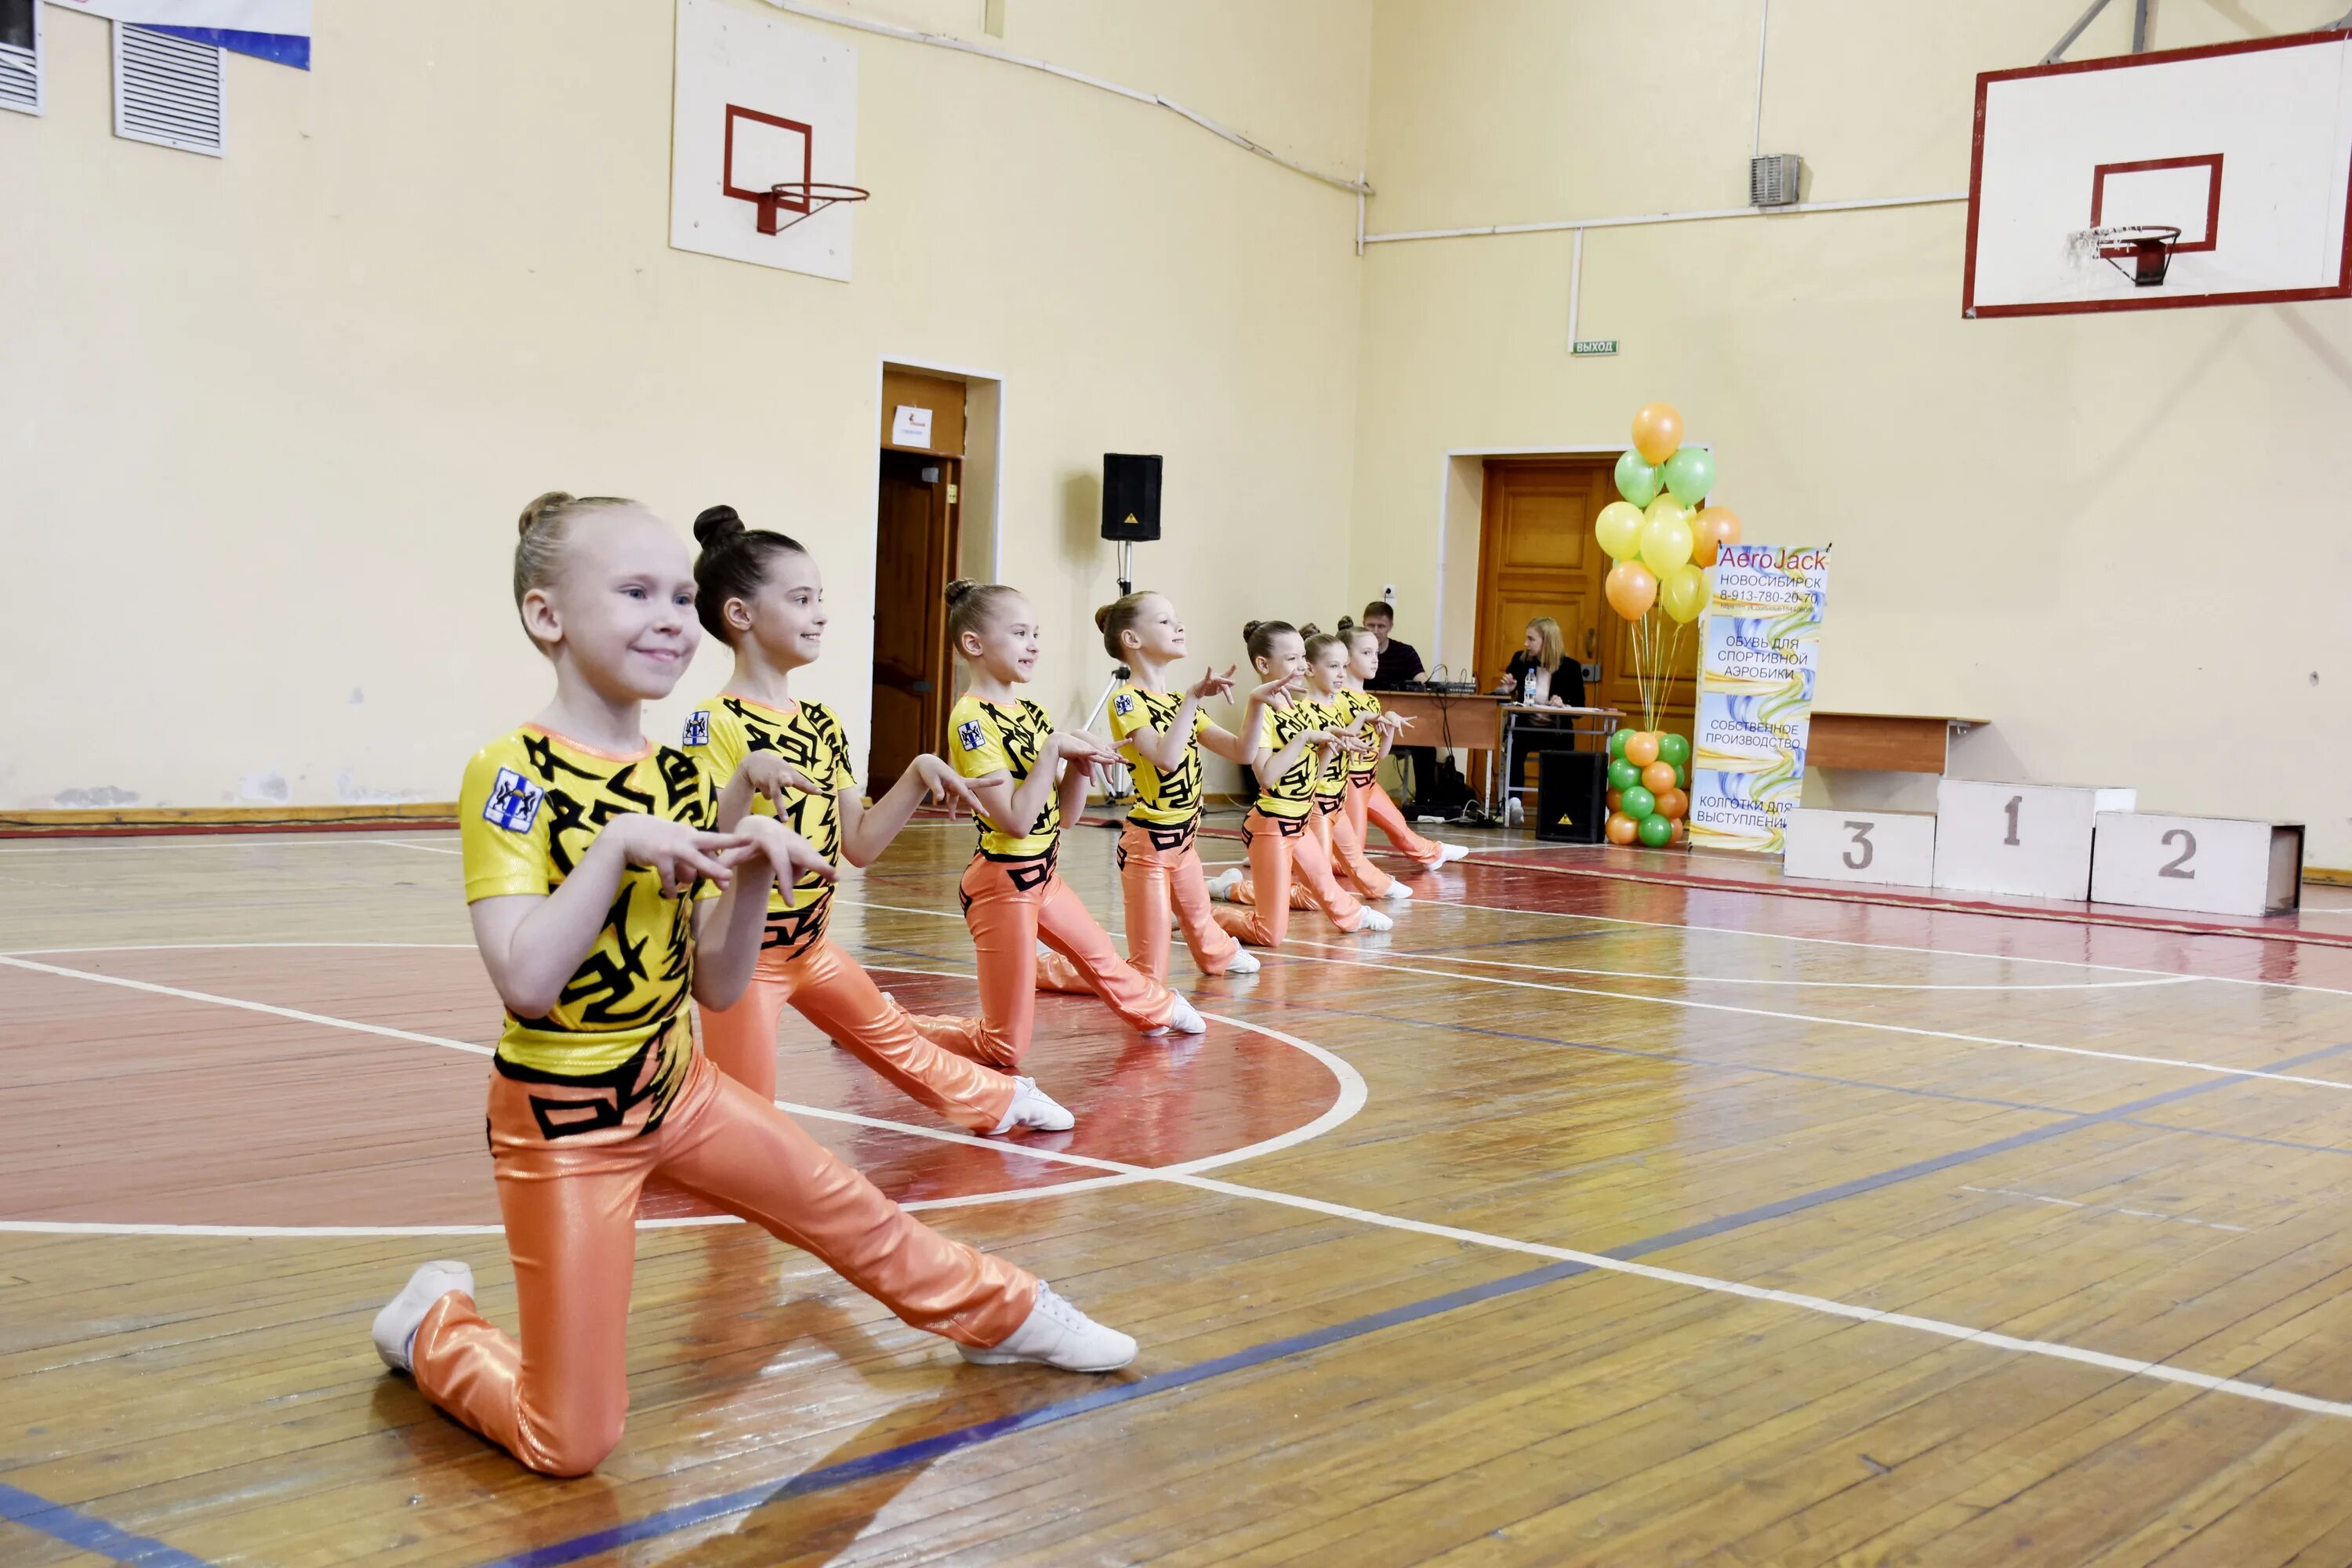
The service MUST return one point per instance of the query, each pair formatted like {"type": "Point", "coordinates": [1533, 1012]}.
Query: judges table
{"type": "Point", "coordinates": [1481, 721]}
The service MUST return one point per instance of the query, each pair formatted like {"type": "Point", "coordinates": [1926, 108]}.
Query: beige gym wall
{"type": "Point", "coordinates": [2065, 525]}
{"type": "Point", "coordinates": [269, 417]}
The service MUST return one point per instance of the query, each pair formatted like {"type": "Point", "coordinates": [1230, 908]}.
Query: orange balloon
{"type": "Point", "coordinates": [1631, 589]}
{"type": "Point", "coordinates": [1658, 778]}
{"type": "Point", "coordinates": [1673, 803]}
{"type": "Point", "coordinates": [1710, 531]}
{"type": "Point", "coordinates": [1657, 431]}
{"type": "Point", "coordinates": [1641, 750]}
{"type": "Point", "coordinates": [1621, 828]}
{"type": "Point", "coordinates": [1681, 830]}
{"type": "Point", "coordinates": [1615, 796]}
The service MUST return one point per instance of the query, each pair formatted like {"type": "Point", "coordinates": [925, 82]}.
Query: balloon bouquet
{"type": "Point", "coordinates": [1661, 536]}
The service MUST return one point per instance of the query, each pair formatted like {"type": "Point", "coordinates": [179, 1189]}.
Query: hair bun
{"type": "Point", "coordinates": [1347, 624]}
{"type": "Point", "coordinates": [960, 587]}
{"type": "Point", "coordinates": [714, 524]}
{"type": "Point", "coordinates": [1249, 629]}
{"type": "Point", "coordinates": [1102, 618]}
{"type": "Point", "coordinates": [1310, 630]}
{"type": "Point", "coordinates": [540, 509]}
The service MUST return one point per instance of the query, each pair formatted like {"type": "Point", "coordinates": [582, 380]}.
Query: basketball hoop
{"type": "Point", "coordinates": [2148, 245]}
{"type": "Point", "coordinates": [806, 199]}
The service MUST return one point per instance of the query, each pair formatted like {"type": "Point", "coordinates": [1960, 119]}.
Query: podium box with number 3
{"type": "Point", "coordinates": [2033, 839]}
{"type": "Point", "coordinates": [1895, 847]}
{"type": "Point", "coordinates": [2212, 865]}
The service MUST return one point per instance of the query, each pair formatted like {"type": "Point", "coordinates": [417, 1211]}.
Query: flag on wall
{"type": "Point", "coordinates": [276, 30]}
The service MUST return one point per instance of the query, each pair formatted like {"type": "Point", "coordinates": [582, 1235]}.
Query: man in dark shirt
{"type": "Point", "coordinates": [1400, 670]}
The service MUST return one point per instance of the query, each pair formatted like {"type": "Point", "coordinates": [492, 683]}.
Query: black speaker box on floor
{"type": "Point", "coordinates": [1571, 796]}
{"type": "Point", "coordinates": [1130, 496]}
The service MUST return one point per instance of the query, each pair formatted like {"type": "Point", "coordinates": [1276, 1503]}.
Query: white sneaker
{"type": "Point", "coordinates": [396, 1325]}
{"type": "Point", "coordinates": [1398, 892]}
{"type": "Point", "coordinates": [1057, 1334]}
{"type": "Point", "coordinates": [1513, 815]}
{"type": "Point", "coordinates": [1453, 852]}
{"type": "Point", "coordinates": [1243, 962]}
{"type": "Point", "coordinates": [1221, 885]}
{"type": "Point", "coordinates": [1375, 921]}
{"type": "Point", "coordinates": [1033, 1107]}
{"type": "Point", "coordinates": [1183, 1021]}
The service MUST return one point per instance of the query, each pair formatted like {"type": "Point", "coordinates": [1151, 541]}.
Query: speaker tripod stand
{"type": "Point", "coordinates": [1119, 785]}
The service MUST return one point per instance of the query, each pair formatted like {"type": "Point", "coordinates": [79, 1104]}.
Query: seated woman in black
{"type": "Point", "coordinates": [1539, 675]}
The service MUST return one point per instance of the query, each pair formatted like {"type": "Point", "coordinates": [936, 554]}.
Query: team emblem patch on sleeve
{"type": "Point", "coordinates": [1123, 704]}
{"type": "Point", "coordinates": [514, 802]}
{"type": "Point", "coordinates": [970, 736]}
{"type": "Point", "coordinates": [697, 728]}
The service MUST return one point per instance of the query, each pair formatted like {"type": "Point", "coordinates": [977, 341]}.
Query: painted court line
{"type": "Point", "coordinates": [87, 1532]}
{"type": "Point", "coordinates": [2105, 1208]}
{"type": "Point", "coordinates": [1442, 957]}
{"type": "Point", "coordinates": [1182, 1176]}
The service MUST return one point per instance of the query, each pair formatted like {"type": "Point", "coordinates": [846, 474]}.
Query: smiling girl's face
{"type": "Point", "coordinates": [620, 609]}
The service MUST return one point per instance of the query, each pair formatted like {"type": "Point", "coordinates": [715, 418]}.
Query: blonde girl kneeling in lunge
{"type": "Point", "coordinates": [1161, 733]}
{"type": "Point", "coordinates": [1028, 776]}
{"type": "Point", "coordinates": [1369, 805]}
{"type": "Point", "coordinates": [1285, 761]}
{"type": "Point", "coordinates": [760, 593]}
{"type": "Point", "coordinates": [599, 900]}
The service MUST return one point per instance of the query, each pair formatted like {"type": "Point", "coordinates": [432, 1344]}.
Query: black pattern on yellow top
{"type": "Point", "coordinates": [722, 736]}
{"type": "Point", "coordinates": [1167, 799]}
{"type": "Point", "coordinates": [986, 738]}
{"type": "Point", "coordinates": [1292, 795]}
{"type": "Point", "coordinates": [1331, 774]}
{"type": "Point", "coordinates": [1355, 705]}
{"type": "Point", "coordinates": [531, 806]}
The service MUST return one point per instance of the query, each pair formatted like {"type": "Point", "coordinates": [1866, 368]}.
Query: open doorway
{"type": "Point", "coordinates": [917, 547]}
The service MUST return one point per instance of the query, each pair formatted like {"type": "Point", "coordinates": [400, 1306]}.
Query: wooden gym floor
{"type": "Point", "coordinates": [1577, 1221]}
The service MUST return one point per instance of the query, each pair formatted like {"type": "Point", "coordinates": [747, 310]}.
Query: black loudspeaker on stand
{"type": "Point", "coordinates": [1130, 512]}
{"type": "Point", "coordinates": [1571, 796]}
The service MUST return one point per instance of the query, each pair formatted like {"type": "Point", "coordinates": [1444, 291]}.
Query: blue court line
{"type": "Point", "coordinates": [923, 1450]}
{"type": "Point", "coordinates": [86, 1532]}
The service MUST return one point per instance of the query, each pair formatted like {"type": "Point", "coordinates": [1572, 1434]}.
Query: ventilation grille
{"type": "Point", "coordinates": [1772, 179]}
{"type": "Point", "coordinates": [168, 90]}
{"type": "Point", "coordinates": [20, 55]}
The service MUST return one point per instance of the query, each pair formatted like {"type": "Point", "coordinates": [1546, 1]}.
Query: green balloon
{"type": "Point", "coordinates": [1637, 802]}
{"type": "Point", "coordinates": [1690, 475]}
{"type": "Point", "coordinates": [1682, 776]}
{"type": "Point", "coordinates": [1654, 831]}
{"type": "Point", "coordinates": [1637, 482]}
{"type": "Point", "coordinates": [1674, 749]}
{"type": "Point", "coordinates": [1624, 774]}
{"type": "Point", "coordinates": [1617, 742]}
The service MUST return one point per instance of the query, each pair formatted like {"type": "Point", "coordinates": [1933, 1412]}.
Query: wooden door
{"type": "Point", "coordinates": [1537, 556]}
{"type": "Point", "coordinates": [915, 551]}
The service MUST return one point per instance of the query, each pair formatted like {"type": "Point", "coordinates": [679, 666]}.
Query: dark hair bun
{"type": "Point", "coordinates": [1310, 630]}
{"type": "Point", "coordinates": [1102, 618]}
{"type": "Point", "coordinates": [960, 587]}
{"type": "Point", "coordinates": [715, 524]}
{"type": "Point", "coordinates": [1347, 624]}
{"type": "Point", "coordinates": [540, 508]}
{"type": "Point", "coordinates": [1249, 629]}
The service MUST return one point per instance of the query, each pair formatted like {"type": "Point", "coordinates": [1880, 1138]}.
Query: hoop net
{"type": "Point", "coordinates": [803, 199]}
{"type": "Point", "coordinates": [2142, 252]}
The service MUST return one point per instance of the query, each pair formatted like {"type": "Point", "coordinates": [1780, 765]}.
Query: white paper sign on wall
{"type": "Point", "coordinates": [910, 425]}
{"type": "Point", "coordinates": [758, 102]}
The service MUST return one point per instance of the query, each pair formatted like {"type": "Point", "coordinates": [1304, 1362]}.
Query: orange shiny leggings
{"type": "Point", "coordinates": [1277, 846]}
{"type": "Point", "coordinates": [1366, 801]}
{"type": "Point", "coordinates": [1012, 906]}
{"type": "Point", "coordinates": [555, 1401]}
{"type": "Point", "coordinates": [829, 989]}
{"type": "Point", "coordinates": [1159, 873]}
{"type": "Point", "coordinates": [1343, 844]}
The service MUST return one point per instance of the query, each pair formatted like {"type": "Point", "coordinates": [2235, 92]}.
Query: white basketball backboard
{"type": "Point", "coordinates": [759, 101]}
{"type": "Point", "coordinates": [2245, 148]}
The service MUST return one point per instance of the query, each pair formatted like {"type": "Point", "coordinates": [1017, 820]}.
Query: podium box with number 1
{"type": "Point", "coordinates": [2030, 839]}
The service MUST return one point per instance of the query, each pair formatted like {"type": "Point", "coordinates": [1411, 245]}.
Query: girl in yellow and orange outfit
{"type": "Point", "coordinates": [1028, 776]}
{"type": "Point", "coordinates": [1161, 735]}
{"type": "Point", "coordinates": [600, 899]}
{"type": "Point", "coordinates": [1293, 748]}
{"type": "Point", "coordinates": [760, 593]}
{"type": "Point", "coordinates": [1369, 805]}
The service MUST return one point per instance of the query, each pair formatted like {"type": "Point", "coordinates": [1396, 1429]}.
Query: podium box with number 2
{"type": "Point", "coordinates": [2033, 839]}
{"type": "Point", "coordinates": [2210, 864]}
{"type": "Point", "coordinates": [1896, 848]}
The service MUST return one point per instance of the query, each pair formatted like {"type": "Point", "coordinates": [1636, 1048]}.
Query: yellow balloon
{"type": "Point", "coordinates": [1665, 543]}
{"type": "Point", "coordinates": [1619, 529]}
{"type": "Point", "coordinates": [1682, 593]}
